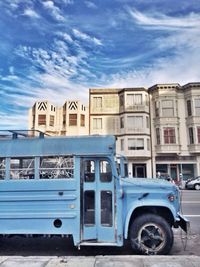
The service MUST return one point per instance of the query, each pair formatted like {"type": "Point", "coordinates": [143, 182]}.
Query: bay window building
{"type": "Point", "coordinates": [175, 117]}
{"type": "Point", "coordinates": [125, 114]}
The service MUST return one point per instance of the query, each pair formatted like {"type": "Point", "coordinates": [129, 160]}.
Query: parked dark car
{"type": "Point", "coordinates": [193, 183]}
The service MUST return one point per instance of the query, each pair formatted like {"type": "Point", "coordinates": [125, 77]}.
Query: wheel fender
{"type": "Point", "coordinates": [162, 204]}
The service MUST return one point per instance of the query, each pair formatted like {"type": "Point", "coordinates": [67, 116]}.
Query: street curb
{"type": "Point", "coordinates": [101, 261]}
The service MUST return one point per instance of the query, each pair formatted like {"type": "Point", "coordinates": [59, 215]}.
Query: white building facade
{"type": "Point", "coordinates": [70, 119]}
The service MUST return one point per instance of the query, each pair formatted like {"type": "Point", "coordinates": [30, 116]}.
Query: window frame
{"type": "Point", "coordinates": [169, 135]}
{"type": "Point", "coordinates": [167, 109]}
{"type": "Point", "coordinates": [82, 120]}
{"type": "Point", "coordinates": [191, 135]}
{"type": "Point", "coordinates": [134, 146]}
{"type": "Point", "coordinates": [42, 119]}
{"type": "Point", "coordinates": [189, 107]}
{"type": "Point", "coordinates": [97, 123]}
{"type": "Point", "coordinates": [73, 118]}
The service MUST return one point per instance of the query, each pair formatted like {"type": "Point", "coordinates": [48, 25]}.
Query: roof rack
{"type": "Point", "coordinates": [14, 134]}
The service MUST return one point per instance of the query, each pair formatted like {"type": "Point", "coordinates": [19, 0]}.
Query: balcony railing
{"type": "Point", "coordinates": [194, 148]}
{"type": "Point", "coordinates": [168, 148]}
{"type": "Point", "coordinates": [142, 108]}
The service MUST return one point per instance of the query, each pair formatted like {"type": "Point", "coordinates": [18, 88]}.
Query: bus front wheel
{"type": "Point", "coordinates": [151, 234]}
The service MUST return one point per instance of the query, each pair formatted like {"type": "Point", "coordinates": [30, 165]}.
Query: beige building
{"type": "Point", "coordinates": [124, 113]}
{"type": "Point", "coordinates": [157, 129]}
{"type": "Point", "coordinates": [70, 119]}
{"type": "Point", "coordinates": [175, 123]}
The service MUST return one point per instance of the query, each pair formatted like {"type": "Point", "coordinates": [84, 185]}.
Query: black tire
{"type": "Point", "coordinates": [151, 234]}
{"type": "Point", "coordinates": [197, 187]}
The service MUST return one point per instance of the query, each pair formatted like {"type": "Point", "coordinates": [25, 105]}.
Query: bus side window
{"type": "Point", "coordinates": [56, 167]}
{"type": "Point", "coordinates": [22, 168]}
{"type": "Point", "coordinates": [89, 171]}
{"type": "Point", "coordinates": [2, 168]}
{"type": "Point", "coordinates": [105, 171]}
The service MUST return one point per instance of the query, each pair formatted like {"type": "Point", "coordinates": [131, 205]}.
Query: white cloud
{"type": "Point", "coordinates": [162, 21]}
{"type": "Point", "coordinates": [86, 37]}
{"type": "Point", "coordinates": [30, 13]}
{"type": "Point", "coordinates": [65, 36]}
{"type": "Point", "coordinates": [67, 2]}
{"type": "Point", "coordinates": [90, 4]}
{"type": "Point", "coordinates": [11, 70]}
{"type": "Point", "coordinates": [14, 121]}
{"type": "Point", "coordinates": [54, 10]}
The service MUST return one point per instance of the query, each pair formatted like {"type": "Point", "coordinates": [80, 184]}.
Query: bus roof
{"type": "Point", "coordinates": [25, 146]}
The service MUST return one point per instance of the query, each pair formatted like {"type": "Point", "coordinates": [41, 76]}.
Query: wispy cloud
{"type": "Point", "coordinates": [90, 4]}
{"type": "Point", "coordinates": [65, 36]}
{"type": "Point", "coordinates": [14, 121]}
{"type": "Point", "coordinates": [54, 10]}
{"type": "Point", "coordinates": [164, 22]}
{"type": "Point", "coordinates": [86, 37]}
{"type": "Point", "coordinates": [180, 42]}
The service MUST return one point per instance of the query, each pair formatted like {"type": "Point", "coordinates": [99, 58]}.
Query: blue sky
{"type": "Point", "coordinates": [57, 49]}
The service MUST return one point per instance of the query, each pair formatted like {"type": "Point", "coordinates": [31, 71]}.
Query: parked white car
{"type": "Point", "coordinates": [193, 183]}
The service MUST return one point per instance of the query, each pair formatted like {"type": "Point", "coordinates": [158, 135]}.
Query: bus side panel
{"type": "Point", "coordinates": [40, 207]}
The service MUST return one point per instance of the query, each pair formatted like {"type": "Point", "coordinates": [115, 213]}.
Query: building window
{"type": "Point", "coordinates": [157, 109]}
{"type": "Point", "coordinates": [198, 134]}
{"type": "Point", "coordinates": [147, 122]}
{"type": "Point", "coordinates": [148, 144]}
{"type": "Point", "coordinates": [134, 122]}
{"type": "Point", "coordinates": [97, 102]}
{"type": "Point", "coordinates": [51, 120]}
{"type": "Point", "coordinates": [72, 119]}
{"type": "Point", "coordinates": [134, 99]}
{"type": "Point", "coordinates": [122, 144]}
{"type": "Point", "coordinates": [189, 108]}
{"type": "Point", "coordinates": [33, 122]}
{"type": "Point", "coordinates": [97, 123]}
{"type": "Point", "coordinates": [121, 122]}
{"type": "Point", "coordinates": [121, 100]}
{"type": "Point", "coordinates": [158, 136]}
{"type": "Point", "coordinates": [169, 135]}
{"type": "Point", "coordinates": [167, 108]}
{"type": "Point", "coordinates": [82, 120]}
{"type": "Point", "coordinates": [135, 144]}
{"type": "Point", "coordinates": [41, 119]}
{"type": "Point", "coordinates": [197, 107]}
{"type": "Point", "coordinates": [191, 135]}
{"type": "Point", "coordinates": [64, 120]}
{"type": "Point", "coordinates": [147, 100]}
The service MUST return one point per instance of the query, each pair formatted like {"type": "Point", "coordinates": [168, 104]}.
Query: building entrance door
{"type": "Point", "coordinates": [139, 170]}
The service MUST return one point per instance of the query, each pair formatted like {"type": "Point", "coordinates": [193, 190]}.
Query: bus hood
{"type": "Point", "coordinates": [148, 185]}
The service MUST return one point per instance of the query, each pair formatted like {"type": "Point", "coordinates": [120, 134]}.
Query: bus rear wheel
{"type": "Point", "coordinates": [151, 234]}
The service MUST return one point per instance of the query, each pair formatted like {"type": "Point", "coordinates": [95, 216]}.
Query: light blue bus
{"type": "Point", "coordinates": [72, 186]}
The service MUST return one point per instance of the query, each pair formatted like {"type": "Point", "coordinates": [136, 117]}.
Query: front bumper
{"type": "Point", "coordinates": [184, 223]}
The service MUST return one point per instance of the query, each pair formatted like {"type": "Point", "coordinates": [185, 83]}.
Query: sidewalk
{"type": "Point", "coordinates": [101, 261]}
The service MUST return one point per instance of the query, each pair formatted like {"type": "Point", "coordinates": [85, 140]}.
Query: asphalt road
{"type": "Point", "coordinates": [191, 208]}
{"type": "Point", "coordinates": [57, 246]}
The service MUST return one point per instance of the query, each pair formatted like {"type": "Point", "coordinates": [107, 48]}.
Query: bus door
{"type": "Point", "coordinates": [98, 201]}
